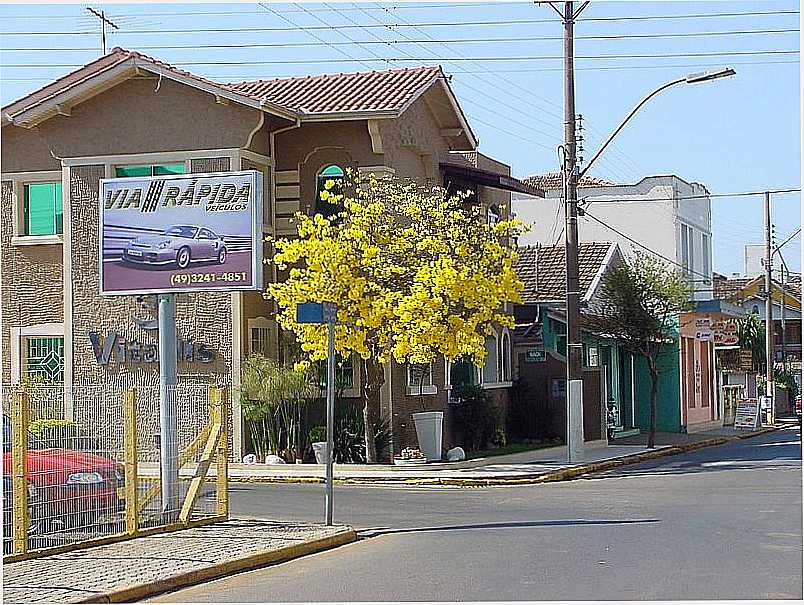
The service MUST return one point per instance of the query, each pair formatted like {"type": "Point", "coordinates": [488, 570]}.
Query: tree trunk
{"type": "Point", "coordinates": [373, 379]}
{"type": "Point", "coordinates": [654, 384]}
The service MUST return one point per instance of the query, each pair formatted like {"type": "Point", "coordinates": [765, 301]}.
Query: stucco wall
{"type": "Point", "coordinates": [133, 118]}
{"type": "Point", "coordinates": [31, 282]}
{"type": "Point", "coordinates": [655, 221]}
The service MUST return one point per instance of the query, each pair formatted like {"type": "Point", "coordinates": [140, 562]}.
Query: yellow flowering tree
{"type": "Point", "coordinates": [414, 273]}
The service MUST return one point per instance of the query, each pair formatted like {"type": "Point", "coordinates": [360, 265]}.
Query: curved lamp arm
{"type": "Point", "coordinates": [690, 79]}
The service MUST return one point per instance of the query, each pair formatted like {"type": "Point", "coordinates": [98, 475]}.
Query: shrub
{"type": "Point", "coordinates": [55, 432]}
{"type": "Point", "coordinates": [318, 434]}
{"type": "Point", "coordinates": [350, 441]}
{"type": "Point", "coordinates": [475, 415]}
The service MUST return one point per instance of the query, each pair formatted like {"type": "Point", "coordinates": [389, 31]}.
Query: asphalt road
{"type": "Point", "coordinates": [717, 523]}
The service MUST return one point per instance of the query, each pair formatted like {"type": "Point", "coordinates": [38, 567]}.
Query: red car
{"type": "Point", "coordinates": [75, 489]}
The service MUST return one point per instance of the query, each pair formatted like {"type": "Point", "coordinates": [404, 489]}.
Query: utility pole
{"type": "Point", "coordinates": [768, 308]}
{"type": "Point", "coordinates": [104, 21]}
{"type": "Point", "coordinates": [574, 390]}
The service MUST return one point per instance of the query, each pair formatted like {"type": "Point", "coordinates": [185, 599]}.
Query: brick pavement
{"type": "Point", "coordinates": [89, 574]}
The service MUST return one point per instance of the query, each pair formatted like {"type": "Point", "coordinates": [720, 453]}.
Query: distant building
{"type": "Point", "coordinates": [664, 214]}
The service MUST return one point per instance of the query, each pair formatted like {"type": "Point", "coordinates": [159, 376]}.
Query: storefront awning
{"type": "Point", "coordinates": [489, 179]}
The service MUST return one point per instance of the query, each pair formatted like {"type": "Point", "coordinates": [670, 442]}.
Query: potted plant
{"type": "Point", "coordinates": [318, 438]}
{"type": "Point", "coordinates": [410, 456]}
{"type": "Point", "coordinates": [429, 424]}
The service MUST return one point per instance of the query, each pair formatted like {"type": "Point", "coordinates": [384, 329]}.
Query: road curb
{"type": "Point", "coordinates": [524, 479]}
{"type": "Point", "coordinates": [137, 592]}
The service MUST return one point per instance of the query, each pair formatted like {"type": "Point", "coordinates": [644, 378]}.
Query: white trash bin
{"type": "Point", "coordinates": [320, 451]}
{"type": "Point", "coordinates": [429, 427]}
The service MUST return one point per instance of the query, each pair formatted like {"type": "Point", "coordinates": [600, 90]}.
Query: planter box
{"type": "Point", "coordinates": [411, 461]}
{"type": "Point", "coordinates": [429, 427]}
{"type": "Point", "coordinates": [320, 451]}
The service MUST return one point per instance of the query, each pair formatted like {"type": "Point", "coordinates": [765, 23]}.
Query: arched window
{"type": "Point", "coordinates": [755, 310]}
{"type": "Point", "coordinates": [505, 355]}
{"type": "Point", "coordinates": [334, 173]}
{"type": "Point", "coordinates": [490, 373]}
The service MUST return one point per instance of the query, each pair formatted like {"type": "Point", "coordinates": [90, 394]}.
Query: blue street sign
{"type": "Point", "coordinates": [310, 313]}
{"type": "Point", "coordinates": [315, 313]}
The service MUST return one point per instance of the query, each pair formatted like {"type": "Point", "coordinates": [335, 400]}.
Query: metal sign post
{"type": "Point", "coordinates": [169, 472]}
{"type": "Point", "coordinates": [319, 313]}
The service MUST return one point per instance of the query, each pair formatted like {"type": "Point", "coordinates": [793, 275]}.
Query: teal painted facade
{"type": "Point", "coordinates": [668, 396]}
{"type": "Point", "coordinates": [627, 373]}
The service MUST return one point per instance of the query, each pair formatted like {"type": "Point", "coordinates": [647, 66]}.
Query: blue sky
{"type": "Point", "coordinates": [733, 135]}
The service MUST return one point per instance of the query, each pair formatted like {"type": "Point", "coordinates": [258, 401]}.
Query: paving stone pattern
{"type": "Point", "coordinates": [75, 576]}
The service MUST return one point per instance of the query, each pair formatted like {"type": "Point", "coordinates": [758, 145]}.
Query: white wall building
{"type": "Point", "coordinates": [656, 212]}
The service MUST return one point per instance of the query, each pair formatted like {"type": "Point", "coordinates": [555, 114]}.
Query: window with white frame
{"type": "Point", "coordinates": [490, 373]}
{"type": "Point", "coordinates": [44, 357]}
{"type": "Point", "coordinates": [420, 379]}
{"type": "Point", "coordinates": [592, 357]}
{"type": "Point", "coordinates": [493, 215]}
{"type": "Point", "coordinates": [260, 332]}
{"type": "Point", "coordinates": [462, 371]}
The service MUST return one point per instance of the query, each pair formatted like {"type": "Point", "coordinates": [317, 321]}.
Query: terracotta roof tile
{"type": "Point", "coordinates": [389, 90]}
{"type": "Point", "coordinates": [543, 272]}
{"type": "Point", "coordinates": [553, 180]}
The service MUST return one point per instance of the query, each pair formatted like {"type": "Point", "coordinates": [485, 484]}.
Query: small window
{"type": "Point", "coordinates": [330, 173]}
{"type": "Point", "coordinates": [42, 209]}
{"type": "Point", "coordinates": [206, 234]}
{"type": "Point", "coordinates": [493, 215]}
{"type": "Point", "coordinates": [420, 375]}
{"type": "Point", "coordinates": [461, 372]}
{"type": "Point", "coordinates": [490, 375]}
{"type": "Point", "coordinates": [45, 358]}
{"type": "Point", "coordinates": [259, 341]}
{"type": "Point", "coordinates": [344, 373]}
{"type": "Point", "coordinates": [592, 357]}
{"type": "Point", "coordinates": [150, 170]}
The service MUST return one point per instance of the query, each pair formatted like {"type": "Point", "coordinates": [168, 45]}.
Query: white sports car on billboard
{"type": "Point", "coordinates": [179, 244]}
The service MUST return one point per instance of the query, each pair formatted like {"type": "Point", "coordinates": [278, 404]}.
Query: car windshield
{"type": "Point", "coordinates": [182, 231]}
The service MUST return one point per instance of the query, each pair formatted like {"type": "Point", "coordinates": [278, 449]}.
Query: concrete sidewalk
{"type": "Point", "coordinates": [536, 466]}
{"type": "Point", "coordinates": [141, 567]}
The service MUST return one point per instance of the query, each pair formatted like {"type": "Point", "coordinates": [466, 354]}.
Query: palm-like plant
{"type": "Point", "coordinates": [275, 398]}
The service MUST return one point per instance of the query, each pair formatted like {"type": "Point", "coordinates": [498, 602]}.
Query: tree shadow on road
{"type": "Point", "coordinates": [378, 531]}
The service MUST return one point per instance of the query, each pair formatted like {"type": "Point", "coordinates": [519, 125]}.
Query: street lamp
{"type": "Point", "coordinates": [571, 179]}
{"type": "Point", "coordinates": [696, 78]}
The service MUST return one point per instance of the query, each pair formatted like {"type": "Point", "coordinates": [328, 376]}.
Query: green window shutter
{"type": "Point", "coordinates": [123, 171]}
{"type": "Point", "coordinates": [42, 211]}
{"type": "Point", "coordinates": [178, 168]}
{"type": "Point", "coordinates": [59, 210]}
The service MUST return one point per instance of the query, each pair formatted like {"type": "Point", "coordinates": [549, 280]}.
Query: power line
{"type": "Point", "coordinates": [391, 43]}
{"type": "Point", "coordinates": [601, 68]}
{"type": "Point", "coordinates": [402, 25]}
{"type": "Point", "coordinates": [644, 247]}
{"type": "Point", "coordinates": [690, 197]}
{"type": "Point", "coordinates": [448, 5]}
{"type": "Point", "coordinates": [425, 59]}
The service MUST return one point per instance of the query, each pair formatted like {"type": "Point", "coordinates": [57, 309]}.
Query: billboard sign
{"type": "Point", "coordinates": [181, 233]}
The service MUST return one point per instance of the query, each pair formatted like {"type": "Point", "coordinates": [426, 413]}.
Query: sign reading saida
{"type": "Point", "coordinates": [186, 233]}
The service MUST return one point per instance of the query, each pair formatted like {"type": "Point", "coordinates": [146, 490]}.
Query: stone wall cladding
{"type": "Point", "coordinates": [32, 281]}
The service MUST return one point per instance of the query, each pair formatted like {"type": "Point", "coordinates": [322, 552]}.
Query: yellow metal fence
{"type": "Point", "coordinates": [81, 464]}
